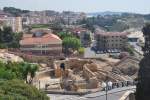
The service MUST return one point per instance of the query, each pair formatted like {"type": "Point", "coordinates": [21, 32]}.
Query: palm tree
{"type": "Point", "coordinates": [32, 70]}
{"type": "Point", "coordinates": [28, 70]}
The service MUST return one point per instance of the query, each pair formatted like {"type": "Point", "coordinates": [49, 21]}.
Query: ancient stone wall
{"type": "Point", "coordinates": [91, 77]}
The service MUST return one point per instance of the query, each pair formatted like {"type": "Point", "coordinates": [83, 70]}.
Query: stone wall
{"type": "Point", "coordinates": [73, 64]}
{"type": "Point", "coordinates": [91, 77]}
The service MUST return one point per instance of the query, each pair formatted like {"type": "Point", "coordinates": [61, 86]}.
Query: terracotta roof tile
{"type": "Point", "coordinates": [47, 38]}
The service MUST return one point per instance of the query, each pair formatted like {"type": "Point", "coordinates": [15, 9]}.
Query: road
{"type": "Point", "coordinates": [114, 94]}
{"type": "Point", "coordinates": [91, 54]}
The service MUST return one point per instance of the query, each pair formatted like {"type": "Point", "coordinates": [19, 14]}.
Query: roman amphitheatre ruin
{"type": "Point", "coordinates": [85, 74]}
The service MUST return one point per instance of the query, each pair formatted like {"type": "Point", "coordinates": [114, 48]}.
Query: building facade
{"type": "Point", "coordinates": [110, 40]}
{"type": "Point", "coordinates": [41, 42]}
{"type": "Point", "coordinates": [14, 22]}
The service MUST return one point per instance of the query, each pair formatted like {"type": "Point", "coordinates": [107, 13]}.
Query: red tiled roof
{"type": "Point", "coordinates": [45, 39]}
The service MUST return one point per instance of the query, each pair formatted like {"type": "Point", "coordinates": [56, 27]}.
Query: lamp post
{"type": "Point", "coordinates": [107, 83]}
{"type": "Point", "coordinates": [105, 86]}
{"type": "Point", "coordinates": [106, 90]}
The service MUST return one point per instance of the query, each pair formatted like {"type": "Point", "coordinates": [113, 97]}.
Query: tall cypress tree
{"type": "Point", "coordinates": [143, 86]}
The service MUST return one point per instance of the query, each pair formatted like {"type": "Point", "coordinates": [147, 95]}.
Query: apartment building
{"type": "Point", "coordinates": [38, 20]}
{"type": "Point", "coordinates": [41, 42]}
{"type": "Point", "coordinates": [14, 22]}
{"type": "Point", "coordinates": [110, 40]}
{"type": "Point", "coordinates": [72, 17]}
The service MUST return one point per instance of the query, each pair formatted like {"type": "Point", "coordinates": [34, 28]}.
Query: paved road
{"type": "Point", "coordinates": [114, 94]}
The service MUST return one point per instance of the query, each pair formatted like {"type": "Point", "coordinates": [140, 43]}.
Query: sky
{"type": "Point", "coordinates": [136, 6]}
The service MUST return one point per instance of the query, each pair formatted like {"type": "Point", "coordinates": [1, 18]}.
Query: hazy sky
{"type": "Point", "coordinates": [138, 6]}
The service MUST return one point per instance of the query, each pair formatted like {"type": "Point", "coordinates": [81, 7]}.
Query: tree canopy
{"type": "Point", "coordinates": [63, 35]}
{"type": "Point", "coordinates": [71, 43]}
{"type": "Point", "coordinates": [9, 39]}
{"type": "Point", "coordinates": [18, 90]}
{"type": "Point", "coordinates": [15, 11]}
{"type": "Point", "coordinates": [13, 70]}
{"type": "Point", "coordinates": [12, 82]}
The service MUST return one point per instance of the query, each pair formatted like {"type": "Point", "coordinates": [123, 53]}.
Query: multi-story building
{"type": "Point", "coordinates": [41, 42]}
{"type": "Point", "coordinates": [18, 24]}
{"type": "Point", "coordinates": [38, 20]}
{"type": "Point", "coordinates": [72, 17]}
{"type": "Point", "coordinates": [14, 22]}
{"type": "Point", "coordinates": [110, 40]}
{"type": "Point", "coordinates": [40, 17]}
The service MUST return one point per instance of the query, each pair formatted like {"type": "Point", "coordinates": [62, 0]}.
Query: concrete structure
{"type": "Point", "coordinates": [18, 24]}
{"type": "Point", "coordinates": [14, 22]}
{"type": "Point", "coordinates": [136, 40]}
{"type": "Point", "coordinates": [129, 95]}
{"type": "Point", "coordinates": [38, 20]}
{"type": "Point", "coordinates": [110, 40]}
{"type": "Point", "coordinates": [41, 42]}
{"type": "Point", "coordinates": [46, 17]}
{"type": "Point", "coordinates": [72, 17]}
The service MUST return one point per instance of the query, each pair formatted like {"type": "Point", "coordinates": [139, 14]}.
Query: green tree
{"type": "Point", "coordinates": [14, 11]}
{"type": "Point", "coordinates": [63, 35]}
{"type": "Point", "coordinates": [28, 69]}
{"type": "Point", "coordinates": [71, 43]}
{"type": "Point", "coordinates": [7, 35]}
{"type": "Point", "coordinates": [9, 39]}
{"type": "Point", "coordinates": [18, 90]}
{"type": "Point", "coordinates": [21, 71]}
{"type": "Point", "coordinates": [33, 69]}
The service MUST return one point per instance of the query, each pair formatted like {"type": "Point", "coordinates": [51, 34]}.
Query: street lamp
{"type": "Point", "coordinates": [107, 86]}
{"type": "Point", "coordinates": [106, 90]}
